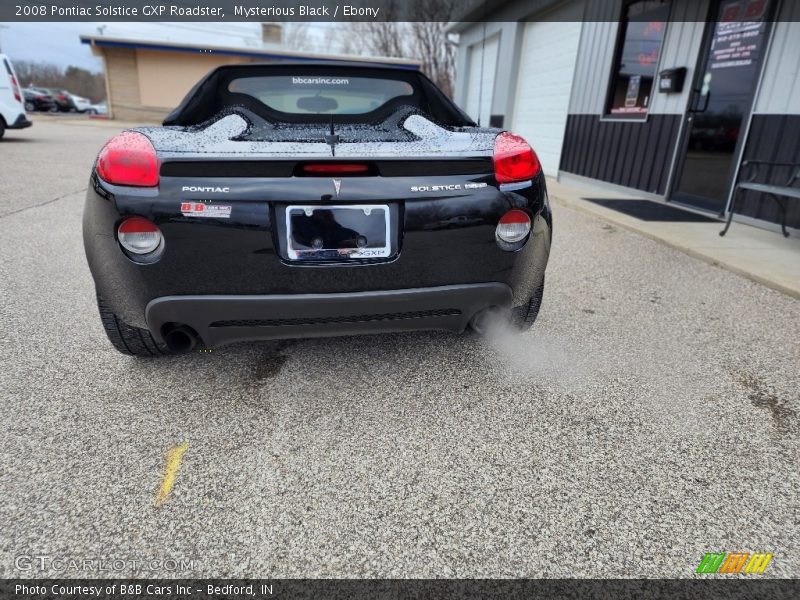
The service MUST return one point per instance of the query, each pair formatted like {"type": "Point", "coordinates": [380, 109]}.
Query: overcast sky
{"type": "Point", "coordinates": [59, 43]}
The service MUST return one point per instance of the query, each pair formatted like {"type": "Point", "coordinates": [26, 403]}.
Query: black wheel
{"type": "Point", "coordinates": [29, 107]}
{"type": "Point", "coordinates": [523, 317]}
{"type": "Point", "coordinates": [126, 338]}
{"type": "Point", "coordinates": [2, 128]}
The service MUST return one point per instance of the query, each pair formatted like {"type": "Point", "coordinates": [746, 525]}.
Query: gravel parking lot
{"type": "Point", "coordinates": [650, 416]}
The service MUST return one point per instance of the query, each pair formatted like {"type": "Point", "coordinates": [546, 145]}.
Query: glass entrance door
{"type": "Point", "coordinates": [720, 101]}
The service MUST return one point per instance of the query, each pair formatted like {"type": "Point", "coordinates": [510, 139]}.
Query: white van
{"type": "Point", "coordinates": [12, 108]}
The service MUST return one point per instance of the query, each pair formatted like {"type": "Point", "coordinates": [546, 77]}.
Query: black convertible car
{"type": "Point", "coordinates": [302, 200]}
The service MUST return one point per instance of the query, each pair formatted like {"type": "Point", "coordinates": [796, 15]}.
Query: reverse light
{"type": "Point", "coordinates": [514, 226]}
{"type": "Point", "coordinates": [128, 159]}
{"type": "Point", "coordinates": [514, 159]}
{"type": "Point", "coordinates": [139, 235]}
{"type": "Point", "coordinates": [335, 168]}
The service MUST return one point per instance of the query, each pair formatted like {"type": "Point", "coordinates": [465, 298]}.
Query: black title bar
{"type": "Point", "coordinates": [306, 10]}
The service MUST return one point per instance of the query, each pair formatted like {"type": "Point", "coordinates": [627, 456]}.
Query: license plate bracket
{"type": "Point", "coordinates": [338, 232]}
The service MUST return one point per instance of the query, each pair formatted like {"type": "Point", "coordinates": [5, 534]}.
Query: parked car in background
{"type": "Point", "coordinates": [12, 108]}
{"type": "Point", "coordinates": [63, 99]}
{"type": "Point", "coordinates": [101, 108]}
{"type": "Point", "coordinates": [36, 99]}
{"type": "Point", "coordinates": [80, 103]}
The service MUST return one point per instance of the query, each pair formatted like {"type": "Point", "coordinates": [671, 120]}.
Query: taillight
{"type": "Point", "coordinates": [139, 236]}
{"type": "Point", "coordinates": [514, 159]}
{"type": "Point", "coordinates": [334, 168]}
{"type": "Point", "coordinates": [15, 88]}
{"type": "Point", "coordinates": [514, 226]}
{"type": "Point", "coordinates": [128, 159]}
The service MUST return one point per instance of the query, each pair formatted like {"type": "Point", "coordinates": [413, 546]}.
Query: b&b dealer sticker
{"type": "Point", "coordinates": [209, 211]}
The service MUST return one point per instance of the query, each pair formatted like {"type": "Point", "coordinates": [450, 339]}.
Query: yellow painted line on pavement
{"type": "Point", "coordinates": [174, 457]}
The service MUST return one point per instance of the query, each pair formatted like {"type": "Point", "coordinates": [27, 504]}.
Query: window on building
{"type": "Point", "coordinates": [641, 33]}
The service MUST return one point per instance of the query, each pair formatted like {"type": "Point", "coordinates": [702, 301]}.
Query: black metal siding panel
{"type": "Point", "coordinates": [565, 164]}
{"type": "Point", "coordinates": [627, 165]}
{"type": "Point", "coordinates": [615, 134]}
{"type": "Point", "coordinates": [639, 170]}
{"type": "Point", "coordinates": [663, 154]}
{"type": "Point", "coordinates": [625, 156]}
{"type": "Point", "coordinates": [774, 138]}
{"type": "Point", "coordinates": [587, 159]}
{"type": "Point", "coordinates": [635, 154]}
{"type": "Point", "coordinates": [586, 164]}
{"type": "Point", "coordinates": [611, 159]}
{"type": "Point", "coordinates": [597, 132]}
{"type": "Point", "coordinates": [582, 161]}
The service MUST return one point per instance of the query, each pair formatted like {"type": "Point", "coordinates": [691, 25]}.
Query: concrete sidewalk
{"type": "Point", "coordinates": [763, 256]}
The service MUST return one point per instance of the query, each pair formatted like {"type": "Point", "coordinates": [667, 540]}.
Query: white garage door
{"type": "Point", "coordinates": [547, 65]}
{"type": "Point", "coordinates": [480, 90]}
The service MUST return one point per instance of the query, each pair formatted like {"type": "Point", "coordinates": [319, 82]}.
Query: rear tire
{"type": "Point", "coordinates": [2, 128]}
{"type": "Point", "coordinates": [523, 317]}
{"type": "Point", "coordinates": [127, 339]}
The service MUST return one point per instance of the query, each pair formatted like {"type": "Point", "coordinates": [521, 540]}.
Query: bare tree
{"type": "Point", "coordinates": [424, 39]}
{"type": "Point", "coordinates": [296, 36]}
{"type": "Point", "coordinates": [438, 55]}
{"type": "Point", "coordinates": [352, 42]}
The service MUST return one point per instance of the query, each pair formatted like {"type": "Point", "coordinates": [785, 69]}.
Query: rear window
{"type": "Point", "coordinates": [322, 94]}
{"type": "Point", "coordinates": [8, 66]}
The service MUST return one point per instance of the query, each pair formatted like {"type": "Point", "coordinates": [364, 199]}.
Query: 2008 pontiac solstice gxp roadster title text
{"type": "Point", "coordinates": [301, 200]}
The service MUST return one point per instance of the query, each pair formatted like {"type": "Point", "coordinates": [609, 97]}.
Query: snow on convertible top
{"type": "Point", "coordinates": [236, 130]}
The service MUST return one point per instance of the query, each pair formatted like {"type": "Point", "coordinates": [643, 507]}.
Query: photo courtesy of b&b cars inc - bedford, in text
{"type": "Point", "coordinates": [399, 299]}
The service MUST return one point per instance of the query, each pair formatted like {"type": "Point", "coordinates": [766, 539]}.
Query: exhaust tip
{"type": "Point", "coordinates": [181, 339]}
{"type": "Point", "coordinates": [487, 319]}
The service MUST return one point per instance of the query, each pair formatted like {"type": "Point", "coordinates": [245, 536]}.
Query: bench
{"type": "Point", "coordinates": [776, 192]}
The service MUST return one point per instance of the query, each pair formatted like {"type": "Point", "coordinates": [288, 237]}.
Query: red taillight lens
{"type": "Point", "coordinates": [15, 88]}
{"type": "Point", "coordinates": [128, 159]}
{"type": "Point", "coordinates": [514, 159]}
{"type": "Point", "coordinates": [335, 169]}
{"type": "Point", "coordinates": [140, 236]}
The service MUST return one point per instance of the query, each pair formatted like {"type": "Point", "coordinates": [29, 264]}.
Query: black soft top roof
{"type": "Point", "coordinates": [210, 95]}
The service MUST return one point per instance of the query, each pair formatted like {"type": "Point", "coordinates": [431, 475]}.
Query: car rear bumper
{"type": "Point", "coordinates": [224, 319]}
{"type": "Point", "coordinates": [21, 123]}
{"type": "Point", "coordinates": [242, 256]}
